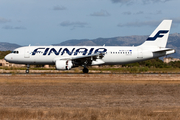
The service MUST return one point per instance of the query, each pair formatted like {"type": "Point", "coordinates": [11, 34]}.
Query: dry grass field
{"type": "Point", "coordinates": [89, 96]}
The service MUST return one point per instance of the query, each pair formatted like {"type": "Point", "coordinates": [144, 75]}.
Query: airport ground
{"type": "Point", "coordinates": [89, 96]}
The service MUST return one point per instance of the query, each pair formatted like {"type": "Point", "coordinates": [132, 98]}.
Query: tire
{"type": "Point", "coordinates": [27, 71]}
{"type": "Point", "coordinates": [85, 70]}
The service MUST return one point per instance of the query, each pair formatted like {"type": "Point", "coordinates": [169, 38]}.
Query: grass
{"type": "Point", "coordinates": [90, 114]}
{"type": "Point", "coordinates": [90, 97]}
{"type": "Point", "coordinates": [165, 70]}
{"type": "Point", "coordinates": [24, 68]}
{"type": "Point", "coordinates": [89, 78]}
{"type": "Point", "coordinates": [104, 69]}
{"type": "Point", "coordinates": [137, 70]}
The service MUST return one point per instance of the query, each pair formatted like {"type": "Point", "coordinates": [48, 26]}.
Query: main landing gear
{"type": "Point", "coordinates": [85, 70]}
{"type": "Point", "coordinates": [27, 70]}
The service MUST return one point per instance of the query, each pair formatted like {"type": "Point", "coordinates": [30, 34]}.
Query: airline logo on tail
{"type": "Point", "coordinates": [158, 35]}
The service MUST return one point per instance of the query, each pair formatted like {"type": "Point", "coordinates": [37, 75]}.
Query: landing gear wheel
{"type": "Point", "coordinates": [27, 71]}
{"type": "Point", "coordinates": [85, 70]}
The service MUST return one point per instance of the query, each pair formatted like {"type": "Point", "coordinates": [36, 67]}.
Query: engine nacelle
{"type": "Point", "coordinates": [63, 64]}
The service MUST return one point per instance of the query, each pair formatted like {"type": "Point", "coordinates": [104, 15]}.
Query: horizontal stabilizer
{"type": "Point", "coordinates": [163, 50]}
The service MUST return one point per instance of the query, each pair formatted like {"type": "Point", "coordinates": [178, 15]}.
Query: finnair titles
{"type": "Point", "coordinates": [74, 51]}
{"type": "Point", "coordinates": [67, 57]}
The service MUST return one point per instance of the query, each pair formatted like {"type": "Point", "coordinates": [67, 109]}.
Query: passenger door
{"type": "Point", "coordinates": [27, 52]}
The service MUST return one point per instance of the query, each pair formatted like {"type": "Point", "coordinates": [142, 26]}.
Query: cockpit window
{"type": "Point", "coordinates": [15, 52]}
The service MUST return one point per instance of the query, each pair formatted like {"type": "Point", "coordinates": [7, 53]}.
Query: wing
{"type": "Point", "coordinates": [93, 59]}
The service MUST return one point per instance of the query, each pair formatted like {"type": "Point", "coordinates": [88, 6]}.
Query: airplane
{"type": "Point", "coordinates": [67, 57]}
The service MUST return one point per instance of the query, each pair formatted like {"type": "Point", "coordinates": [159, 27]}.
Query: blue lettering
{"type": "Point", "coordinates": [67, 51]}
{"type": "Point", "coordinates": [82, 50]}
{"type": "Point", "coordinates": [55, 52]}
{"type": "Point", "coordinates": [90, 51]}
{"type": "Point", "coordinates": [36, 51]}
{"type": "Point", "coordinates": [46, 50]}
{"type": "Point", "coordinates": [100, 50]}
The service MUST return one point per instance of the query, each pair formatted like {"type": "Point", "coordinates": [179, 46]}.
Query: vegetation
{"type": "Point", "coordinates": [90, 114]}
{"type": "Point", "coordinates": [89, 97]}
{"type": "Point", "coordinates": [3, 54]}
{"type": "Point", "coordinates": [154, 65]}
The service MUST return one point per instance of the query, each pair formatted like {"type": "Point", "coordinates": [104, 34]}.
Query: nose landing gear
{"type": "Point", "coordinates": [27, 70]}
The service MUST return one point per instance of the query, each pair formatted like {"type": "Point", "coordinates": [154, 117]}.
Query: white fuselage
{"type": "Point", "coordinates": [113, 54]}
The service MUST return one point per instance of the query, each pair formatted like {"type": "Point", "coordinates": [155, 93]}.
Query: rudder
{"type": "Point", "coordinates": [160, 35]}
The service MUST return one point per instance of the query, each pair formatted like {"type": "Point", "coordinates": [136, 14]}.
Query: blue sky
{"type": "Point", "coordinates": [46, 22]}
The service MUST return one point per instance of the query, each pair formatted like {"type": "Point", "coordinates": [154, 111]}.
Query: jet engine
{"type": "Point", "coordinates": [63, 64]}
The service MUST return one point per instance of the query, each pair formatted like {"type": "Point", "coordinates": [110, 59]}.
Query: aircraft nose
{"type": "Point", "coordinates": [7, 58]}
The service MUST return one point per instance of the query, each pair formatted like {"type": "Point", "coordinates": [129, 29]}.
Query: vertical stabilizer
{"type": "Point", "coordinates": [160, 35]}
